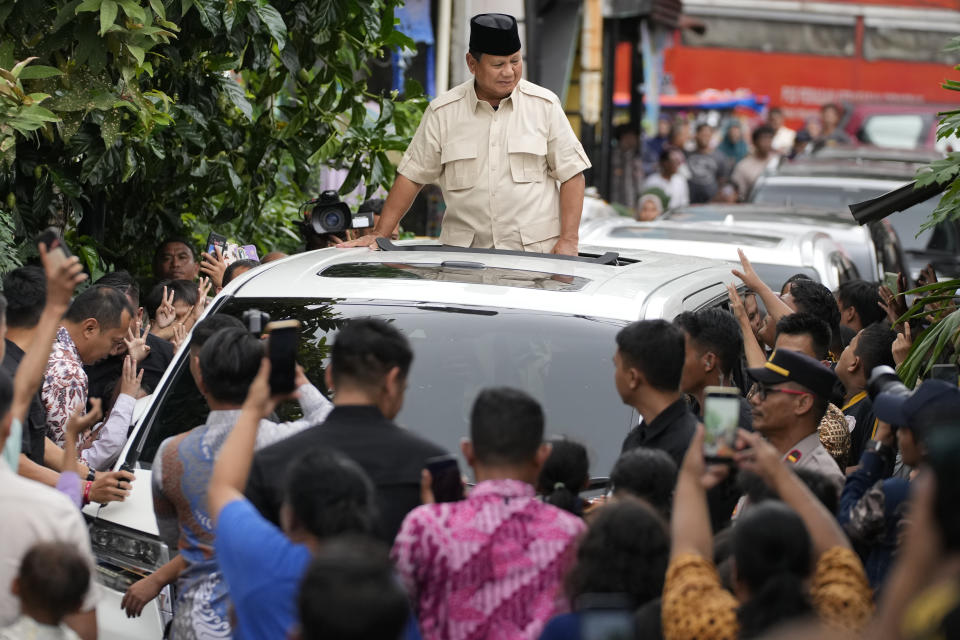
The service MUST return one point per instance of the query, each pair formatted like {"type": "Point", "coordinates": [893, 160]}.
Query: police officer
{"type": "Point", "coordinates": [792, 396]}
{"type": "Point", "coordinates": [502, 151]}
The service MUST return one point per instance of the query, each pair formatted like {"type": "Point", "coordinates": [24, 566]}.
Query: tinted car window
{"type": "Point", "coordinates": [906, 223]}
{"type": "Point", "coordinates": [563, 361]}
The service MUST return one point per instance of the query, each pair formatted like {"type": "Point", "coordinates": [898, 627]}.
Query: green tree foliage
{"type": "Point", "coordinates": [125, 121]}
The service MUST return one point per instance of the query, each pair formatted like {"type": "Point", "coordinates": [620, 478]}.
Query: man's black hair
{"type": "Point", "coordinates": [373, 205]}
{"type": "Point", "coordinates": [714, 330]}
{"type": "Point", "coordinates": [350, 592]}
{"type": "Point", "coordinates": [183, 290]}
{"type": "Point", "coordinates": [366, 349]}
{"type": "Point", "coordinates": [702, 125]}
{"type": "Point", "coordinates": [331, 495]}
{"type": "Point", "coordinates": [762, 130]}
{"type": "Point", "coordinates": [506, 426]}
{"type": "Point", "coordinates": [231, 270]}
{"type": "Point", "coordinates": [806, 324]}
{"type": "Point", "coordinates": [54, 578]}
{"type": "Point", "coordinates": [25, 289]}
{"type": "Point", "coordinates": [774, 110]}
{"type": "Point", "coordinates": [831, 105]}
{"type": "Point", "coordinates": [821, 485]}
{"type": "Point", "coordinates": [174, 240]}
{"type": "Point", "coordinates": [229, 362]}
{"type": "Point", "coordinates": [792, 279]}
{"type": "Point", "coordinates": [665, 153]}
{"type": "Point", "coordinates": [3, 310]}
{"type": "Point", "coordinates": [862, 296]}
{"type": "Point", "coordinates": [650, 474]}
{"type": "Point", "coordinates": [101, 302]}
{"type": "Point", "coordinates": [813, 297]}
{"type": "Point", "coordinates": [874, 347]}
{"type": "Point", "coordinates": [123, 282]}
{"type": "Point", "coordinates": [656, 348]}
{"type": "Point", "coordinates": [6, 393]}
{"type": "Point", "coordinates": [203, 330]}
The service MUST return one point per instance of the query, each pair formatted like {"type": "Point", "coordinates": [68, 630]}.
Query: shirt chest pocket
{"type": "Point", "coordinates": [460, 165]}
{"type": "Point", "coordinates": [528, 158]}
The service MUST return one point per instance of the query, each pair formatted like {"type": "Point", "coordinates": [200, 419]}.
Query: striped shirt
{"type": "Point", "coordinates": [490, 566]}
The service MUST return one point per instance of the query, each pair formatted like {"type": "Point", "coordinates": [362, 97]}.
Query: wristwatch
{"type": "Point", "coordinates": [91, 475]}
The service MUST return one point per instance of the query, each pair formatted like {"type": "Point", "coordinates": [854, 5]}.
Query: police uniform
{"type": "Point", "coordinates": [499, 169]}
{"type": "Point", "coordinates": [810, 454]}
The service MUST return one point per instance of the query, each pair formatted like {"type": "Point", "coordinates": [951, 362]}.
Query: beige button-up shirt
{"type": "Point", "coordinates": [810, 454]}
{"type": "Point", "coordinates": [499, 170]}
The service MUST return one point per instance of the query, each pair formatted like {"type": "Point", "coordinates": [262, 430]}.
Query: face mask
{"type": "Point", "coordinates": [11, 450]}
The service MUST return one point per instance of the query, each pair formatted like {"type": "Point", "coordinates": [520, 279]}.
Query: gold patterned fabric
{"type": "Point", "coordinates": [834, 435]}
{"type": "Point", "coordinates": [696, 606]}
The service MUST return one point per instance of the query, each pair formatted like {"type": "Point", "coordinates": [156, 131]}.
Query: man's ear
{"type": "Point", "coordinates": [393, 382]}
{"type": "Point", "coordinates": [471, 63]}
{"type": "Point", "coordinates": [5, 425]}
{"type": "Point", "coordinates": [543, 452]}
{"type": "Point", "coordinates": [15, 587]}
{"type": "Point", "coordinates": [635, 378]}
{"type": "Point", "coordinates": [328, 377]}
{"type": "Point", "coordinates": [804, 404]}
{"type": "Point", "coordinates": [709, 361]}
{"type": "Point", "coordinates": [90, 327]}
{"type": "Point", "coordinates": [466, 448]}
{"type": "Point", "coordinates": [856, 364]}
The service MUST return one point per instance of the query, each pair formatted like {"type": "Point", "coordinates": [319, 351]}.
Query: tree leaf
{"type": "Point", "coordinates": [353, 177]}
{"type": "Point", "coordinates": [237, 96]}
{"type": "Point", "coordinates": [159, 9]}
{"type": "Point", "coordinates": [38, 72]}
{"type": "Point", "coordinates": [89, 5]}
{"type": "Point", "coordinates": [108, 13]}
{"type": "Point", "coordinates": [274, 23]}
{"type": "Point", "coordinates": [137, 53]}
{"type": "Point", "coordinates": [133, 10]}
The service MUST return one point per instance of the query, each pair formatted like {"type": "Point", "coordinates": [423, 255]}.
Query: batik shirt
{"type": "Point", "coordinates": [64, 385]}
{"type": "Point", "coordinates": [489, 566]}
{"type": "Point", "coordinates": [181, 476]}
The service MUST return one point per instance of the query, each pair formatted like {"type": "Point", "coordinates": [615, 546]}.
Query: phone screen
{"type": "Point", "coordinates": [721, 417]}
{"type": "Point", "coordinates": [890, 280]}
{"type": "Point", "coordinates": [216, 240]}
{"type": "Point", "coordinates": [447, 484]}
{"type": "Point", "coordinates": [282, 349]}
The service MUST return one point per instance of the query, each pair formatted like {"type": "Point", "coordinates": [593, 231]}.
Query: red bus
{"type": "Point", "coordinates": [804, 54]}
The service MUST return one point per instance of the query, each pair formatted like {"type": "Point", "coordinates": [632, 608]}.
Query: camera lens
{"type": "Point", "coordinates": [332, 219]}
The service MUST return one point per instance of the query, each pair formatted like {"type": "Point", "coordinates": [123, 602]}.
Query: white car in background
{"type": "Point", "coordinates": [776, 254]}
{"type": "Point", "coordinates": [475, 318]}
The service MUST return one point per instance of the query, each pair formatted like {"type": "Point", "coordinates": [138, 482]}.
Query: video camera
{"type": "Point", "coordinates": [934, 402]}
{"type": "Point", "coordinates": [329, 214]}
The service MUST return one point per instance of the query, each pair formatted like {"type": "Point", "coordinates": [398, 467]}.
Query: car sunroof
{"type": "Point", "coordinates": [696, 235]}
{"type": "Point", "coordinates": [459, 272]}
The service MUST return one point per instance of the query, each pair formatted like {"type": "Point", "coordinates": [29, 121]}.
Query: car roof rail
{"type": "Point", "coordinates": [609, 257]}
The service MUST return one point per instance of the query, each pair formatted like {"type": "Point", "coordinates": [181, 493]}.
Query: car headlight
{"type": "Point", "coordinates": [123, 555]}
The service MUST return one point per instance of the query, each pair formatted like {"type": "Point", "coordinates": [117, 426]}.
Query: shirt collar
{"type": "Point", "coordinates": [666, 417]}
{"type": "Point", "coordinates": [474, 101]}
{"type": "Point", "coordinates": [805, 446]}
{"type": "Point", "coordinates": [854, 400]}
{"type": "Point", "coordinates": [503, 488]}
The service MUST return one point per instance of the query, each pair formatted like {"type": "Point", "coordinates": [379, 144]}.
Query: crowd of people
{"type": "Point", "coordinates": [690, 161]}
{"type": "Point", "coordinates": [834, 515]}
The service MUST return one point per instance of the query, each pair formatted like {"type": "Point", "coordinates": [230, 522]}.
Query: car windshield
{"type": "Point", "coordinates": [906, 223]}
{"type": "Point", "coordinates": [564, 361]}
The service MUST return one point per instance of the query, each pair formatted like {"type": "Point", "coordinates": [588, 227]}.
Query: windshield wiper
{"type": "Point", "coordinates": [450, 309]}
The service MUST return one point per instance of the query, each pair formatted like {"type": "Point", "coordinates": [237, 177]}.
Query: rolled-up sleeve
{"type": "Point", "coordinates": [421, 161]}
{"type": "Point", "coordinates": [695, 604]}
{"type": "Point", "coordinates": [565, 155]}
{"type": "Point", "coordinates": [840, 591]}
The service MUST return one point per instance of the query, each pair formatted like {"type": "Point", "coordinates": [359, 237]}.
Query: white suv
{"type": "Point", "coordinates": [475, 318]}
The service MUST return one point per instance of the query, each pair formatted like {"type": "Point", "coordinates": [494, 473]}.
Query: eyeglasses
{"type": "Point", "coordinates": [763, 390]}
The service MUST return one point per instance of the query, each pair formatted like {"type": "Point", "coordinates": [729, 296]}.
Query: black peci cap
{"type": "Point", "coordinates": [495, 34]}
{"type": "Point", "coordinates": [789, 366]}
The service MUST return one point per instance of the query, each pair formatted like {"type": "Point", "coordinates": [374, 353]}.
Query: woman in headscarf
{"type": "Point", "coordinates": [733, 146]}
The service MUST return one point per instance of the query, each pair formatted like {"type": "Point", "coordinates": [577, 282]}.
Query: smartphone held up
{"type": "Point", "coordinates": [447, 485]}
{"type": "Point", "coordinates": [721, 417]}
{"type": "Point", "coordinates": [282, 351]}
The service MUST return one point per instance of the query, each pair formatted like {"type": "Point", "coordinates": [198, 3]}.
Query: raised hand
{"type": "Point", "coordinates": [130, 378]}
{"type": "Point", "coordinates": [213, 266]}
{"type": "Point", "coordinates": [748, 275]}
{"type": "Point", "coordinates": [166, 313]}
{"type": "Point", "coordinates": [80, 422]}
{"type": "Point", "coordinates": [901, 346]}
{"type": "Point", "coordinates": [136, 342]}
{"type": "Point", "coordinates": [63, 277]}
{"type": "Point", "coordinates": [203, 288]}
{"type": "Point", "coordinates": [179, 335]}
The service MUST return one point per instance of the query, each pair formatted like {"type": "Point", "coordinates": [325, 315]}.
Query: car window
{"type": "Point", "coordinates": [894, 130]}
{"type": "Point", "coordinates": [563, 361]}
{"type": "Point", "coordinates": [810, 195]}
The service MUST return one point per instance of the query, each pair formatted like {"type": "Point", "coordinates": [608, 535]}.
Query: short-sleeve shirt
{"type": "Point", "coordinates": [263, 585]}
{"type": "Point", "coordinates": [810, 454]}
{"type": "Point", "coordinates": [489, 566]}
{"type": "Point", "coordinates": [30, 513]}
{"type": "Point", "coordinates": [35, 426]}
{"type": "Point", "coordinates": [498, 169]}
